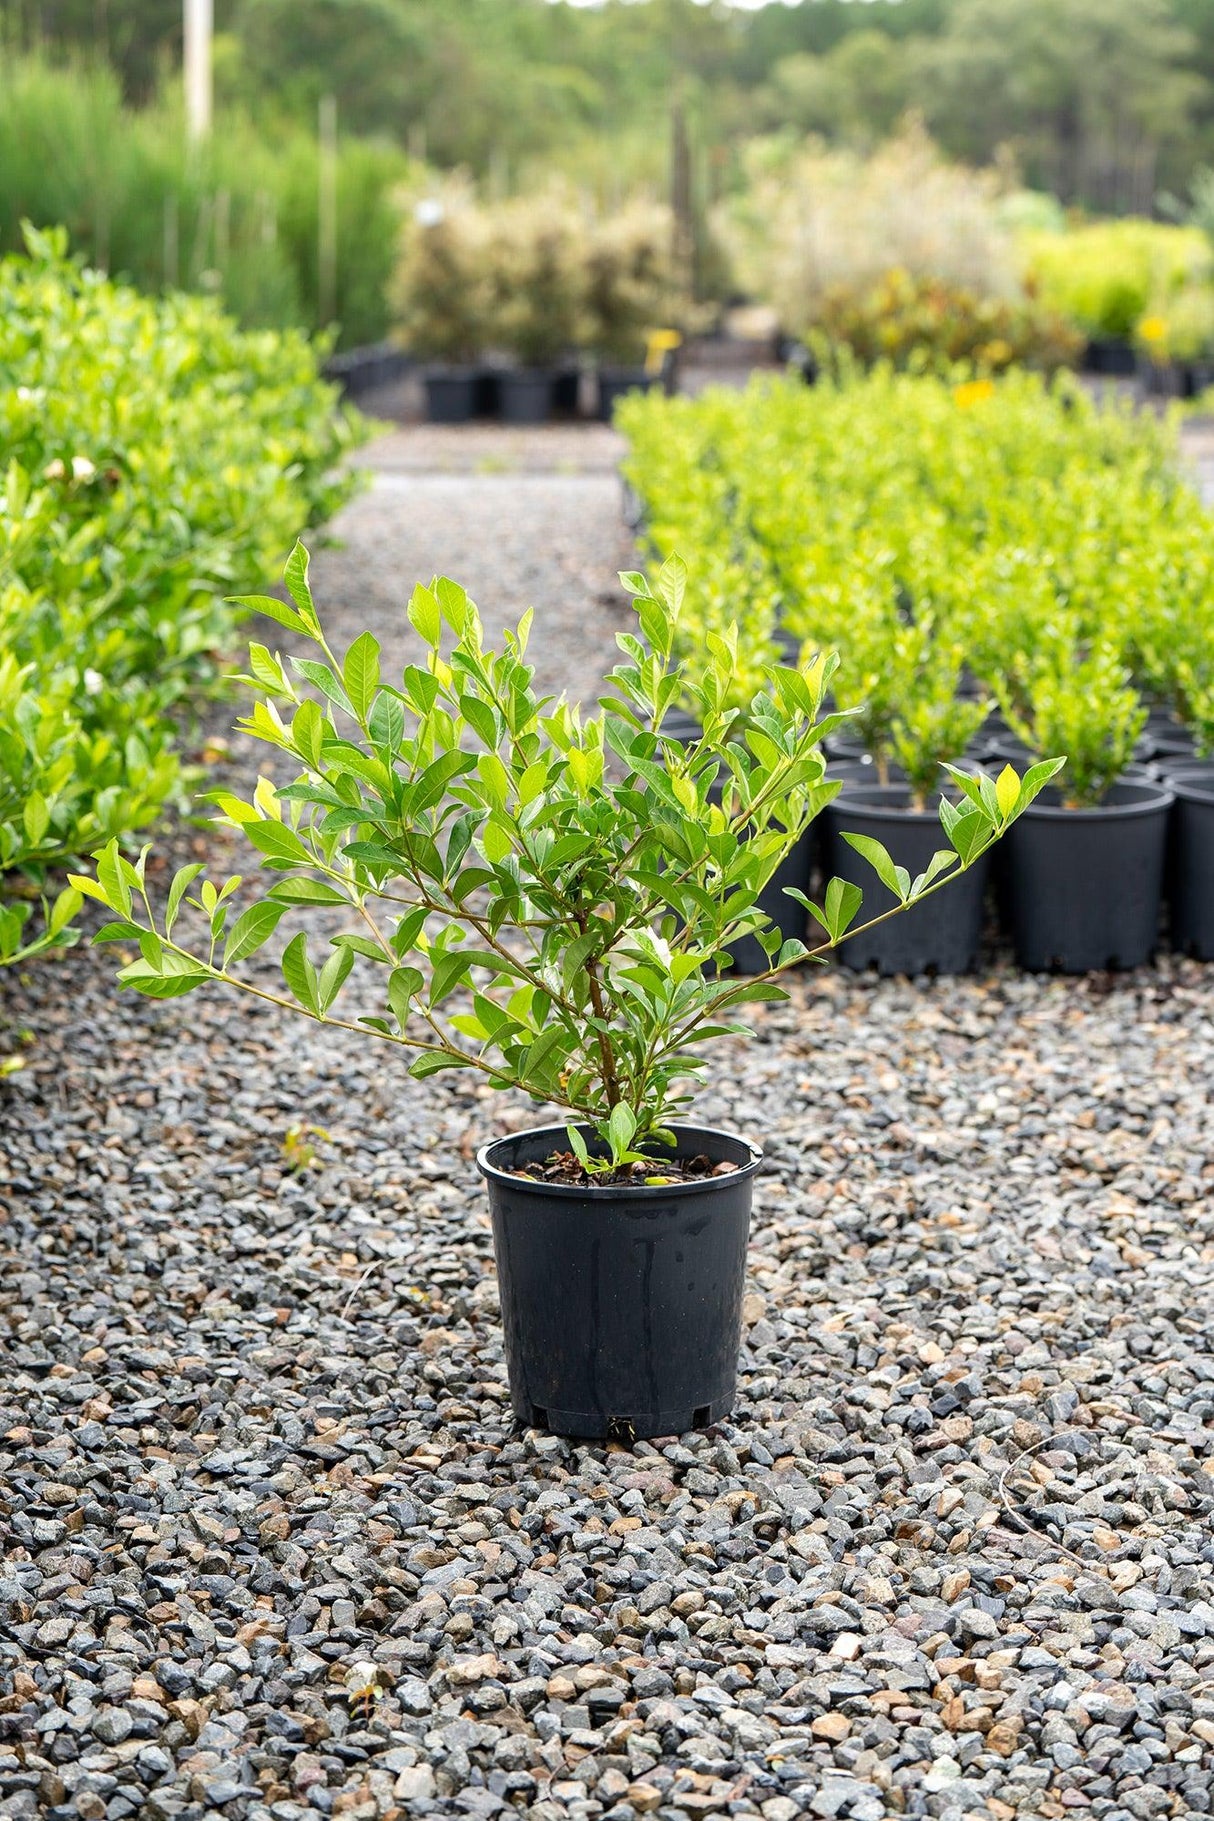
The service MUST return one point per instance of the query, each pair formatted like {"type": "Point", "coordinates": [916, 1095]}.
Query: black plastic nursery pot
{"type": "Point", "coordinates": [1112, 355]}
{"type": "Point", "coordinates": [621, 1307]}
{"type": "Point", "coordinates": [1191, 864]}
{"type": "Point", "coordinates": [941, 936]}
{"type": "Point", "coordinates": [567, 391]}
{"type": "Point", "coordinates": [1083, 886]}
{"type": "Point", "coordinates": [524, 395]}
{"type": "Point", "coordinates": [787, 915]}
{"type": "Point", "coordinates": [616, 382]}
{"type": "Point", "coordinates": [451, 394]}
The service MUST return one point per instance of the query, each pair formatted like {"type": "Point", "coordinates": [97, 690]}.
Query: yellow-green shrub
{"type": "Point", "coordinates": [152, 458]}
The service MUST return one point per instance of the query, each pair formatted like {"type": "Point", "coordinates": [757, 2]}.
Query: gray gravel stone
{"type": "Point", "coordinates": [275, 1548]}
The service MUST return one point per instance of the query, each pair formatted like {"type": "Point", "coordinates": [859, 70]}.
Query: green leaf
{"type": "Point", "coordinates": [302, 890]}
{"type": "Point", "coordinates": [577, 1144]}
{"type": "Point", "coordinates": [36, 817]}
{"type": "Point", "coordinates": [171, 979]}
{"type": "Point", "coordinates": [112, 880]}
{"type": "Point", "coordinates": [308, 732]}
{"type": "Point", "coordinates": [63, 910]}
{"type": "Point", "coordinates": [273, 609]}
{"type": "Point", "coordinates": [431, 1064]}
{"type": "Point", "coordinates": [940, 861]}
{"type": "Point", "coordinates": [183, 878]}
{"type": "Point", "coordinates": [300, 974]}
{"type": "Point", "coordinates": [1037, 777]}
{"type": "Point", "coordinates": [333, 976]}
{"type": "Point", "coordinates": [387, 723]}
{"type": "Point", "coordinates": [360, 673]}
{"type": "Point", "coordinates": [450, 971]}
{"type": "Point", "coordinates": [494, 777]}
{"type": "Point", "coordinates": [843, 899]}
{"type": "Point", "coordinates": [895, 878]}
{"type": "Point", "coordinates": [251, 929]}
{"type": "Point", "coordinates": [267, 670]}
{"type": "Point", "coordinates": [1007, 791]}
{"type": "Point", "coordinates": [425, 617]}
{"type": "Point", "coordinates": [969, 833]}
{"type": "Point", "coordinates": [280, 844]}
{"type": "Point", "coordinates": [404, 984]}
{"type": "Point", "coordinates": [295, 575]}
{"type": "Point", "coordinates": [621, 1128]}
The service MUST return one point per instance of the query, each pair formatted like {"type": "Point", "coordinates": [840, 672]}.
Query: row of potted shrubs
{"type": "Point", "coordinates": [505, 305]}
{"type": "Point", "coordinates": [152, 456]}
{"type": "Point", "coordinates": [1008, 572]}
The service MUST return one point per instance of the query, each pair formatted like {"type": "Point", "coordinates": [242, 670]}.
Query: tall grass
{"type": "Point", "coordinates": [237, 218]}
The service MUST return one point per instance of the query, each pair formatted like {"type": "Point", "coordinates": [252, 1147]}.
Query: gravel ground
{"type": "Point", "coordinates": [951, 1557]}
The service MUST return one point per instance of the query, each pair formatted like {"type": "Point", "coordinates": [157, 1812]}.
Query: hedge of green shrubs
{"type": "Point", "coordinates": [153, 459]}
{"type": "Point", "coordinates": [1005, 547]}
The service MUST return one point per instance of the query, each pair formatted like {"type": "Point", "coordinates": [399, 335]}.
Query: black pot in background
{"type": "Point", "coordinates": [943, 935]}
{"type": "Point", "coordinates": [1083, 886]}
{"type": "Point", "coordinates": [525, 395]}
{"type": "Point", "coordinates": [1112, 355]}
{"type": "Point", "coordinates": [621, 1307]}
{"type": "Point", "coordinates": [361, 370]}
{"type": "Point", "coordinates": [848, 747]}
{"type": "Point", "coordinates": [451, 394]}
{"type": "Point", "coordinates": [616, 382]}
{"type": "Point", "coordinates": [787, 915]}
{"type": "Point", "coordinates": [567, 390]}
{"type": "Point", "coordinates": [1190, 770]}
{"type": "Point", "coordinates": [788, 645]}
{"type": "Point", "coordinates": [1191, 865]}
{"type": "Point", "coordinates": [1175, 752]}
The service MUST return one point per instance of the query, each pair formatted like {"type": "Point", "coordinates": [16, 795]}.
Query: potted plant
{"type": "Point", "coordinates": [1085, 872]}
{"type": "Point", "coordinates": [537, 301]}
{"type": "Point", "coordinates": [543, 899]}
{"type": "Point", "coordinates": [442, 299]}
{"type": "Point", "coordinates": [1190, 870]}
{"type": "Point", "coordinates": [926, 731]}
{"type": "Point", "coordinates": [629, 300]}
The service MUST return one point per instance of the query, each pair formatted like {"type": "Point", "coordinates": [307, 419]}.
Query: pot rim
{"type": "Point", "coordinates": [1197, 789]}
{"type": "Point", "coordinates": [1148, 799]}
{"type": "Point", "coordinates": [634, 1191]}
{"type": "Point", "coordinates": [871, 798]}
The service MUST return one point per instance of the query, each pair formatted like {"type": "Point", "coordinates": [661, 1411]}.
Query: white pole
{"type": "Point", "coordinates": [199, 22]}
{"type": "Point", "coordinates": [327, 212]}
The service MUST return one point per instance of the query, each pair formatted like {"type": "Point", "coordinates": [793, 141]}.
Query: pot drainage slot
{"type": "Point", "coordinates": [620, 1429]}
{"type": "Point", "coordinates": [539, 1417]}
{"type": "Point", "coordinates": [699, 1416]}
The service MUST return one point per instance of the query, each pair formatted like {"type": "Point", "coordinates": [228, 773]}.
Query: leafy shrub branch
{"type": "Point", "coordinates": [541, 896]}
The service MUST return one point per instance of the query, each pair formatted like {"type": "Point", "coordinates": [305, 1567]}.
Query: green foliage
{"type": "Point", "coordinates": [1106, 275]}
{"type": "Point", "coordinates": [905, 520]}
{"type": "Point", "coordinates": [151, 457]}
{"type": "Point", "coordinates": [537, 895]}
{"type": "Point", "coordinates": [534, 276]}
{"type": "Point", "coordinates": [1083, 704]}
{"type": "Point", "coordinates": [926, 324]}
{"type": "Point", "coordinates": [237, 218]}
{"type": "Point", "coordinates": [1105, 101]}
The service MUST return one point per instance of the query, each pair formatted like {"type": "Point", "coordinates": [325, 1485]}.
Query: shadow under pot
{"type": "Point", "coordinates": [451, 394]}
{"type": "Point", "coordinates": [621, 1306]}
{"type": "Point", "coordinates": [1083, 887]}
{"type": "Point", "coordinates": [524, 395]}
{"type": "Point", "coordinates": [1191, 863]}
{"type": "Point", "coordinates": [941, 936]}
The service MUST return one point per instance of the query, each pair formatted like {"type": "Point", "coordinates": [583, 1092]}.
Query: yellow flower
{"type": "Point", "coordinates": [973, 392]}
{"type": "Point", "coordinates": [1153, 328]}
{"type": "Point", "coordinates": [658, 344]}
